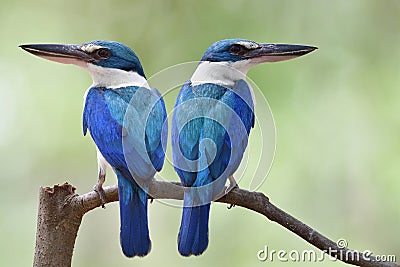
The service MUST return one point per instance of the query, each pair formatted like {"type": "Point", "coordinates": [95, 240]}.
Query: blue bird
{"type": "Point", "coordinates": [125, 118]}
{"type": "Point", "coordinates": [212, 119]}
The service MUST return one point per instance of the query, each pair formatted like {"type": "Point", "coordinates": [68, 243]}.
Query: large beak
{"type": "Point", "coordinates": [278, 52]}
{"type": "Point", "coordinates": [62, 53]}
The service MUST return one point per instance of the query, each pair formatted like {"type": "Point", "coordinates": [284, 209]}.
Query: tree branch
{"type": "Point", "coordinates": [56, 234]}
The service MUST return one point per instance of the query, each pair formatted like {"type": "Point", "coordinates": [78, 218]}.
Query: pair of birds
{"type": "Point", "coordinates": [127, 120]}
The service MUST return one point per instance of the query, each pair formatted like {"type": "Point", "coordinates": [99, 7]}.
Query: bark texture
{"type": "Point", "coordinates": [61, 211]}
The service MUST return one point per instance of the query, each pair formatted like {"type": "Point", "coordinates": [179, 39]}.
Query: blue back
{"type": "Point", "coordinates": [211, 111]}
{"type": "Point", "coordinates": [127, 126]}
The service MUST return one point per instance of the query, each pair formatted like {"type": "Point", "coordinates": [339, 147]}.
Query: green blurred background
{"type": "Point", "coordinates": [337, 163]}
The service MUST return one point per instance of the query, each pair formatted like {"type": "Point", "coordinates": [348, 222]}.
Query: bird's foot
{"type": "Point", "coordinates": [98, 188]}
{"type": "Point", "coordinates": [232, 185]}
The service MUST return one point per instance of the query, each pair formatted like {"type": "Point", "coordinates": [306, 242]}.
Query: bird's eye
{"type": "Point", "coordinates": [103, 53]}
{"type": "Point", "coordinates": [237, 49]}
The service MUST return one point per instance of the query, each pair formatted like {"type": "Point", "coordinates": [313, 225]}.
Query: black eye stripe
{"type": "Point", "coordinates": [238, 49]}
{"type": "Point", "coordinates": [102, 53]}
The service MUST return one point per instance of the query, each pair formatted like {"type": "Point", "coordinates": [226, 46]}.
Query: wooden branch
{"type": "Point", "coordinates": [61, 212]}
{"type": "Point", "coordinates": [57, 226]}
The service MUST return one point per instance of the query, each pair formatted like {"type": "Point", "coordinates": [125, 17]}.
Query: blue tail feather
{"type": "Point", "coordinates": [193, 234]}
{"type": "Point", "coordinates": [134, 235]}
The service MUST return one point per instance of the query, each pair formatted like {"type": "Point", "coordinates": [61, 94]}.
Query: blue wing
{"type": "Point", "coordinates": [239, 130]}
{"type": "Point", "coordinates": [209, 111]}
{"type": "Point", "coordinates": [157, 130]}
{"type": "Point", "coordinates": [127, 126]}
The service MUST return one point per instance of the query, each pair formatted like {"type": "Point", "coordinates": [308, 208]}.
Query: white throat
{"type": "Point", "coordinates": [114, 78]}
{"type": "Point", "coordinates": [222, 73]}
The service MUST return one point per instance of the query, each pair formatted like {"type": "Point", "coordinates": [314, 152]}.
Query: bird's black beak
{"type": "Point", "coordinates": [62, 53]}
{"type": "Point", "coordinates": [278, 52]}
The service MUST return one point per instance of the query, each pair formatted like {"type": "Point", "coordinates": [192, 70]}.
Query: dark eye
{"type": "Point", "coordinates": [103, 53]}
{"type": "Point", "coordinates": [237, 49]}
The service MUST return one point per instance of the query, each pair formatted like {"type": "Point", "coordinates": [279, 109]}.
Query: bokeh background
{"type": "Point", "coordinates": [337, 162]}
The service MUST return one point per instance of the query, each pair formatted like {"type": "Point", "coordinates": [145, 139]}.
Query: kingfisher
{"type": "Point", "coordinates": [127, 121]}
{"type": "Point", "coordinates": [211, 122]}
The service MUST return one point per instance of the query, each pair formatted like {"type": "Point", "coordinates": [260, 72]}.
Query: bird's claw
{"type": "Point", "coordinates": [230, 206]}
{"type": "Point", "coordinates": [98, 188]}
{"type": "Point", "coordinates": [232, 185]}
